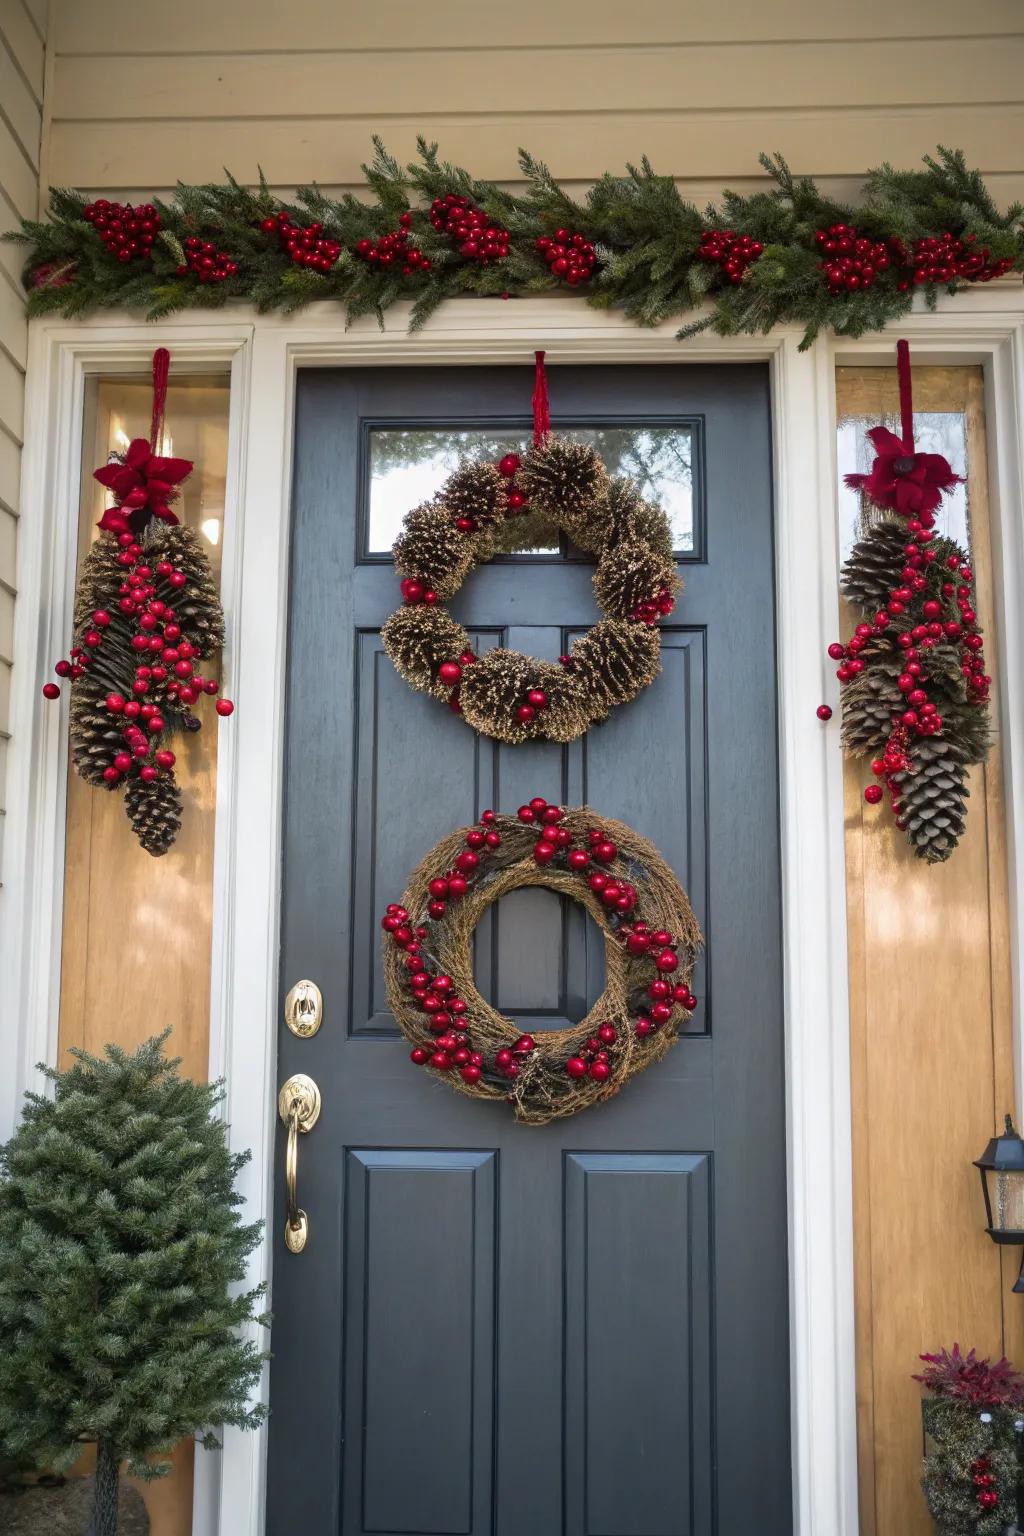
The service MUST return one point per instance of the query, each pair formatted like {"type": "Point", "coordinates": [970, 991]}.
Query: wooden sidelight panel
{"type": "Point", "coordinates": [136, 950]}
{"type": "Point", "coordinates": [930, 1022]}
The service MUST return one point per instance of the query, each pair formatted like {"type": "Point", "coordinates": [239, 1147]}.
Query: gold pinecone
{"type": "Point", "coordinates": [430, 549]}
{"type": "Point", "coordinates": [613, 662]}
{"type": "Point", "coordinates": [197, 604]}
{"type": "Point", "coordinates": [628, 575]}
{"type": "Point", "coordinates": [566, 481]}
{"type": "Point", "coordinates": [477, 491]}
{"type": "Point", "coordinates": [418, 639]}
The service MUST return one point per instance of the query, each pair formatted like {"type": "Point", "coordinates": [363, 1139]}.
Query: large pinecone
{"type": "Point", "coordinates": [873, 565]}
{"type": "Point", "coordinates": [154, 811]}
{"type": "Point", "coordinates": [933, 798]}
{"type": "Point", "coordinates": [95, 733]}
{"type": "Point", "coordinates": [197, 604]}
{"type": "Point", "coordinates": [871, 700]}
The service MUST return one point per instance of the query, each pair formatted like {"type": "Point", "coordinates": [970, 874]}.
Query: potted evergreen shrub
{"type": "Point", "coordinates": [122, 1250]}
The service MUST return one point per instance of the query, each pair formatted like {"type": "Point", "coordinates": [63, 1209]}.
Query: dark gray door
{"type": "Point", "coordinates": [580, 1328]}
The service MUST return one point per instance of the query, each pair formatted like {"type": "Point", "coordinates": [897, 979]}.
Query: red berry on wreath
{"type": "Point", "coordinates": [873, 794]}
{"type": "Point", "coordinates": [470, 1073]}
{"type": "Point", "coordinates": [525, 813]}
{"type": "Point", "coordinates": [457, 887]}
{"type": "Point", "coordinates": [467, 862]}
{"type": "Point", "coordinates": [525, 713]}
{"type": "Point", "coordinates": [419, 1055]}
{"type": "Point", "coordinates": [824, 712]}
{"type": "Point", "coordinates": [474, 838]}
{"type": "Point", "coordinates": [509, 464]}
{"type": "Point", "coordinates": [578, 859]}
{"type": "Point", "coordinates": [449, 672]}
{"type": "Point", "coordinates": [576, 1066]}
{"type": "Point", "coordinates": [51, 691]}
{"type": "Point", "coordinates": [607, 1034]}
{"type": "Point", "coordinates": [643, 1027]}
{"type": "Point", "coordinates": [543, 852]}
{"type": "Point", "coordinates": [599, 1071]}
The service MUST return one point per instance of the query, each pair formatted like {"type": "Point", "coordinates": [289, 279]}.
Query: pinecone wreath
{"type": "Point", "coordinates": [146, 613]}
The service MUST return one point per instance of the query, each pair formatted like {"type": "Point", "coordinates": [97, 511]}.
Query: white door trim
{"type": "Point", "coordinates": [263, 355]}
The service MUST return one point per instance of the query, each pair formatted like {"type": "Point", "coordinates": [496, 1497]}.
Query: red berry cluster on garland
{"type": "Point", "coordinates": [392, 248]}
{"type": "Point", "coordinates": [209, 265]}
{"type": "Point", "coordinates": [945, 258]}
{"type": "Point", "coordinates": [128, 233]}
{"type": "Point", "coordinates": [306, 244]}
{"type": "Point", "coordinates": [851, 261]}
{"type": "Point", "coordinates": [733, 253]}
{"type": "Point", "coordinates": [469, 228]}
{"type": "Point", "coordinates": [569, 255]}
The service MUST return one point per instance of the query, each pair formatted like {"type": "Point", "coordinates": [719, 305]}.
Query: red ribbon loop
{"type": "Point", "coordinates": [541, 406]}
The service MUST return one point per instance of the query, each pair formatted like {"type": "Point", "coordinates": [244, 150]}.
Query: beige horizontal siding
{"type": "Point", "coordinates": [145, 95]}
{"type": "Point", "coordinates": [22, 60]}
{"type": "Point", "coordinates": [113, 27]}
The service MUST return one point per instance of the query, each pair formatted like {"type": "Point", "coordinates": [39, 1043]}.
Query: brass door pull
{"type": "Point", "coordinates": [298, 1104]}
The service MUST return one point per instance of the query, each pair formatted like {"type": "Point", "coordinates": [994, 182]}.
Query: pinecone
{"type": "Point", "coordinates": [614, 661]}
{"type": "Point", "coordinates": [95, 734]}
{"type": "Point", "coordinates": [99, 582]}
{"type": "Point", "coordinates": [431, 550]}
{"type": "Point", "coordinates": [477, 491]}
{"type": "Point", "coordinates": [870, 701]}
{"type": "Point", "coordinates": [628, 575]}
{"type": "Point", "coordinates": [196, 604]}
{"type": "Point", "coordinates": [566, 481]}
{"type": "Point", "coordinates": [154, 811]}
{"type": "Point", "coordinates": [933, 798]}
{"type": "Point", "coordinates": [418, 639]}
{"type": "Point", "coordinates": [632, 518]}
{"type": "Point", "coordinates": [493, 688]}
{"type": "Point", "coordinates": [874, 563]}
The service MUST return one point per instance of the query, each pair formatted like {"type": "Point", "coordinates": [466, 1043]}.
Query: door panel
{"type": "Point", "coordinates": [499, 1330]}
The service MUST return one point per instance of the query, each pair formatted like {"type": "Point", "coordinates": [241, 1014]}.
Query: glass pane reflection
{"type": "Point", "coordinates": [408, 465]}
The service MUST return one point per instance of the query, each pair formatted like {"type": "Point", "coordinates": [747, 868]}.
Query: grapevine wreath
{"type": "Point", "coordinates": [651, 944]}
{"type": "Point", "coordinates": [559, 485]}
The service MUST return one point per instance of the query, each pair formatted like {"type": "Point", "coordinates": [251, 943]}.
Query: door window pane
{"type": "Point", "coordinates": [409, 465]}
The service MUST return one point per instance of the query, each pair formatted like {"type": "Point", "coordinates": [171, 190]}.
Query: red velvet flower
{"type": "Point", "coordinates": [909, 483]}
{"type": "Point", "coordinates": [145, 485]}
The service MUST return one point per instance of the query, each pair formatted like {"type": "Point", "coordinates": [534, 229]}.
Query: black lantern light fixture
{"type": "Point", "coordinates": [1002, 1182]}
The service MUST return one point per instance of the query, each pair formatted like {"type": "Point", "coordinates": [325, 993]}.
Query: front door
{"type": "Point", "coordinates": [497, 1329]}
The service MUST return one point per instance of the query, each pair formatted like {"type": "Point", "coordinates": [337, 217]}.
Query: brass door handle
{"type": "Point", "coordinates": [304, 1009]}
{"type": "Point", "coordinates": [298, 1104]}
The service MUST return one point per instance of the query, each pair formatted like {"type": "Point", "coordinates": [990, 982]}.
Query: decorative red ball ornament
{"type": "Point", "coordinates": [205, 261]}
{"type": "Point", "coordinates": [469, 229]}
{"type": "Point", "coordinates": [850, 261]}
{"type": "Point", "coordinates": [569, 255]}
{"type": "Point", "coordinates": [431, 988]}
{"type": "Point", "coordinates": [873, 794]}
{"type": "Point", "coordinates": [51, 691]}
{"type": "Point", "coordinates": [127, 233]}
{"type": "Point", "coordinates": [733, 253]}
{"type": "Point", "coordinates": [306, 245]}
{"type": "Point", "coordinates": [824, 712]}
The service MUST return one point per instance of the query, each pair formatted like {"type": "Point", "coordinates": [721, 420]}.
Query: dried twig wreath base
{"type": "Point", "coordinates": [651, 942]}
{"type": "Point", "coordinates": [485, 509]}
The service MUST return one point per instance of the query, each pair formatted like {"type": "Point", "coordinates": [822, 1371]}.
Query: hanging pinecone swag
{"type": "Point", "coordinates": [146, 613]}
{"type": "Point", "coordinates": [559, 485]}
{"type": "Point", "coordinates": [914, 687]}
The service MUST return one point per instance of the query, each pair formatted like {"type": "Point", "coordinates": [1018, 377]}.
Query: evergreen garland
{"type": "Point", "coordinates": [432, 232]}
{"type": "Point", "coordinates": [121, 1250]}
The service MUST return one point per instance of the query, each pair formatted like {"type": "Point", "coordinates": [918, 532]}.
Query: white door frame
{"type": "Point", "coordinates": [263, 355]}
